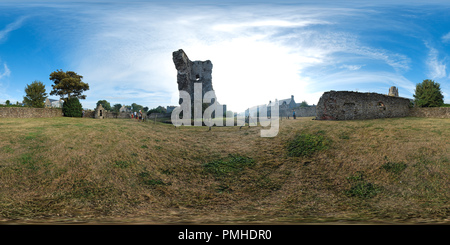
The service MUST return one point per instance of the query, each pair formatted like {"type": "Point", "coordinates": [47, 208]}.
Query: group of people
{"type": "Point", "coordinates": [137, 115]}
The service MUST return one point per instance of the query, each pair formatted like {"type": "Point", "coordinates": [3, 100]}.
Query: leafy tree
{"type": "Point", "coordinates": [116, 108]}
{"type": "Point", "coordinates": [304, 104]}
{"type": "Point", "coordinates": [428, 94]}
{"type": "Point", "coordinates": [68, 84]}
{"type": "Point", "coordinates": [145, 109]}
{"type": "Point", "coordinates": [158, 109]}
{"type": "Point", "coordinates": [72, 108]}
{"type": "Point", "coordinates": [7, 102]}
{"type": "Point", "coordinates": [105, 104]}
{"type": "Point", "coordinates": [35, 94]}
{"type": "Point", "coordinates": [136, 107]}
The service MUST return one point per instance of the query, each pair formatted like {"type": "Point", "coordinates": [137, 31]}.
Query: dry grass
{"type": "Point", "coordinates": [73, 169]}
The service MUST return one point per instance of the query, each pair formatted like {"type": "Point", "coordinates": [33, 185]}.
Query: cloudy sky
{"type": "Point", "coordinates": [260, 50]}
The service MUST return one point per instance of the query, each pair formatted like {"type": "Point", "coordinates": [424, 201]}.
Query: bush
{"type": "Point", "coordinates": [72, 108]}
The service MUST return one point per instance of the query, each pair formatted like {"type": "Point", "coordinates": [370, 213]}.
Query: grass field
{"type": "Point", "coordinates": [121, 170]}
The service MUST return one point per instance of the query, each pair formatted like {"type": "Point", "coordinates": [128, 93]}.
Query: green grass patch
{"type": "Point", "coordinates": [7, 149]}
{"type": "Point", "coordinates": [147, 179]}
{"type": "Point", "coordinates": [394, 167]}
{"type": "Point", "coordinates": [361, 188]}
{"type": "Point", "coordinates": [122, 164]}
{"type": "Point", "coordinates": [230, 164]}
{"type": "Point", "coordinates": [303, 145]}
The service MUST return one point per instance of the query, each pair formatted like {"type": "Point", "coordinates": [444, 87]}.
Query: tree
{"type": "Point", "coordinates": [72, 108]}
{"type": "Point", "coordinates": [428, 94]}
{"type": "Point", "coordinates": [68, 84]}
{"type": "Point", "coordinates": [116, 108]}
{"type": "Point", "coordinates": [304, 104]}
{"type": "Point", "coordinates": [7, 102]}
{"type": "Point", "coordinates": [136, 107]}
{"type": "Point", "coordinates": [105, 104]}
{"type": "Point", "coordinates": [35, 95]}
{"type": "Point", "coordinates": [158, 109]}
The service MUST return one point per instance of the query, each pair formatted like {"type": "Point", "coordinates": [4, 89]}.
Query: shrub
{"type": "Point", "coordinates": [306, 145]}
{"type": "Point", "coordinates": [72, 108]}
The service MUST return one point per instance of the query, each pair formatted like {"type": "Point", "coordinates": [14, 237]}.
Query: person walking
{"type": "Point", "coordinates": [293, 114]}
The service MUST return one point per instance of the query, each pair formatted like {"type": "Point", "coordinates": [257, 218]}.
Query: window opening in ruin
{"type": "Point", "coordinates": [100, 112]}
{"type": "Point", "coordinates": [381, 105]}
{"type": "Point", "coordinates": [197, 77]}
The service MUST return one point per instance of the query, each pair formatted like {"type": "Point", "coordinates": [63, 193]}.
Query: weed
{"type": "Point", "coordinates": [363, 190]}
{"type": "Point", "coordinates": [394, 167]}
{"type": "Point", "coordinates": [360, 187]}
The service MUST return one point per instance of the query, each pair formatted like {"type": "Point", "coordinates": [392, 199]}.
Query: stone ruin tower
{"type": "Point", "coordinates": [393, 91]}
{"type": "Point", "coordinates": [190, 72]}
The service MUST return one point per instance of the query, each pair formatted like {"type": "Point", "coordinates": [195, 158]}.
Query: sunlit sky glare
{"type": "Point", "coordinates": [260, 50]}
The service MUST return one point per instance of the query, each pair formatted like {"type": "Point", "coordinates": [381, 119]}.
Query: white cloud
{"type": "Point", "coordinates": [446, 38]}
{"type": "Point", "coordinates": [437, 68]}
{"type": "Point", "coordinates": [351, 67]}
{"type": "Point", "coordinates": [6, 72]}
{"type": "Point", "coordinates": [11, 27]}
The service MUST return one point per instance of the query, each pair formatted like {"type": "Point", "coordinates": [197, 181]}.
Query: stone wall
{"type": "Point", "coordinates": [434, 112]}
{"type": "Point", "coordinates": [346, 105]}
{"type": "Point", "coordinates": [28, 112]}
{"type": "Point", "coordinates": [285, 111]}
{"type": "Point", "coordinates": [108, 114]}
{"type": "Point", "coordinates": [159, 115]}
{"type": "Point", "coordinates": [305, 111]}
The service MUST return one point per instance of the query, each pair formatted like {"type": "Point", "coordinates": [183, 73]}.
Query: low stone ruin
{"type": "Point", "coordinates": [346, 105]}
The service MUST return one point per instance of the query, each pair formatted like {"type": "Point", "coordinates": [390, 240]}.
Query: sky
{"type": "Point", "coordinates": [260, 50]}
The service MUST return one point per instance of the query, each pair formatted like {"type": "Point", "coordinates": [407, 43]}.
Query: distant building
{"type": "Point", "coordinates": [170, 109]}
{"type": "Point", "coordinates": [51, 103]}
{"type": "Point", "coordinates": [289, 103]}
{"type": "Point", "coordinates": [126, 109]}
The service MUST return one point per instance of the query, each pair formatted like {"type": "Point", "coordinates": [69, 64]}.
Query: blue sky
{"type": "Point", "coordinates": [260, 50]}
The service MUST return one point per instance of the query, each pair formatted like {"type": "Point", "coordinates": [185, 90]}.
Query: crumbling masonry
{"type": "Point", "coordinates": [346, 105]}
{"type": "Point", "coordinates": [190, 72]}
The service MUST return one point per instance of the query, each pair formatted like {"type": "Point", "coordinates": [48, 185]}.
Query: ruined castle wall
{"type": "Point", "coordinates": [284, 111]}
{"type": "Point", "coordinates": [190, 72]}
{"type": "Point", "coordinates": [305, 111]}
{"type": "Point", "coordinates": [108, 114]}
{"type": "Point", "coordinates": [432, 112]}
{"type": "Point", "coordinates": [346, 105]}
{"type": "Point", "coordinates": [28, 112]}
